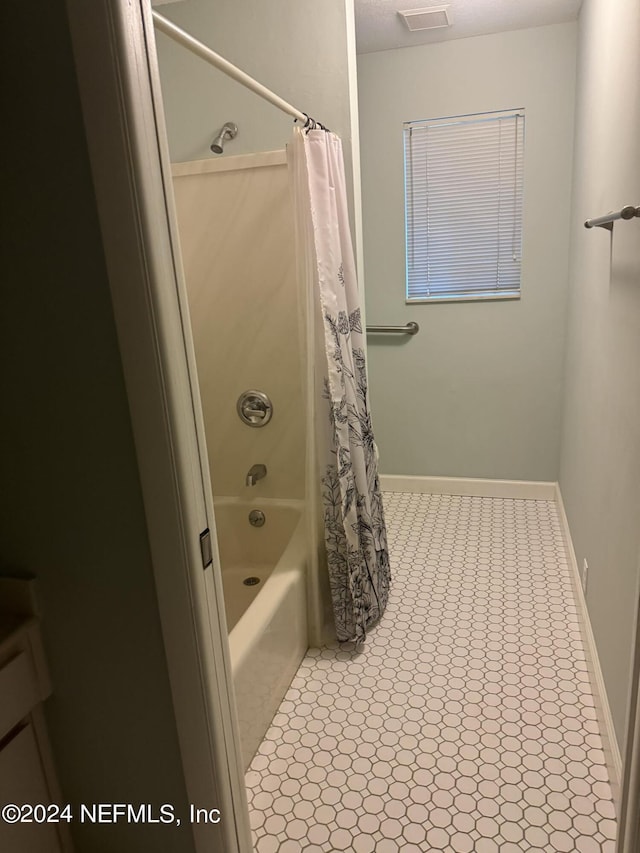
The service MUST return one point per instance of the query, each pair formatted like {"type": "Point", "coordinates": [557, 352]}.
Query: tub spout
{"type": "Point", "coordinates": [256, 472]}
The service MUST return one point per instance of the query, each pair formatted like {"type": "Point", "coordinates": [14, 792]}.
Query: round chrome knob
{"type": "Point", "coordinates": [254, 408]}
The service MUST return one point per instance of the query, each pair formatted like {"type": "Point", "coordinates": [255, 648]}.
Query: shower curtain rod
{"type": "Point", "coordinates": [181, 37]}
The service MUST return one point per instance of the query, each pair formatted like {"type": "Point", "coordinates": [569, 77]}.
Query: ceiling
{"type": "Point", "coordinates": [379, 27]}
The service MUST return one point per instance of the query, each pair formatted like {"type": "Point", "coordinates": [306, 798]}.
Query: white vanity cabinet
{"type": "Point", "coordinates": [27, 774]}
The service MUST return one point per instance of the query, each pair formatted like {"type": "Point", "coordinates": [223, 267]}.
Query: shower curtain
{"type": "Point", "coordinates": [354, 528]}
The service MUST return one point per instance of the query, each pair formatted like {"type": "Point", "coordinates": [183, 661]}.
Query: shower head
{"type": "Point", "coordinates": [229, 131]}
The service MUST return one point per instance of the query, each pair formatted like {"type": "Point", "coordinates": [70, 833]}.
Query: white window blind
{"type": "Point", "coordinates": [463, 200]}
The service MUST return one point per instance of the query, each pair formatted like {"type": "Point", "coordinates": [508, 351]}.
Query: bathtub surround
{"type": "Point", "coordinates": [224, 206]}
{"type": "Point", "coordinates": [354, 528]}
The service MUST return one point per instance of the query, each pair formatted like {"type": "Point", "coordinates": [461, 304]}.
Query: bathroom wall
{"type": "Point", "coordinates": [236, 232]}
{"type": "Point", "coordinates": [600, 461]}
{"type": "Point", "coordinates": [297, 48]}
{"type": "Point", "coordinates": [302, 50]}
{"type": "Point", "coordinates": [72, 510]}
{"type": "Point", "coordinates": [478, 392]}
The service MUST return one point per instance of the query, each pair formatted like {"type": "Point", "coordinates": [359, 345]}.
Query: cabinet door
{"type": "Point", "coordinates": [22, 781]}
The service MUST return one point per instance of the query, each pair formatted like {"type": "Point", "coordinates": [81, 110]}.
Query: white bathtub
{"type": "Point", "coordinates": [267, 621]}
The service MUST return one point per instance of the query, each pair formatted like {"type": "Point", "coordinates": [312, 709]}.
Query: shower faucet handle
{"type": "Point", "coordinates": [257, 409]}
{"type": "Point", "coordinates": [254, 408]}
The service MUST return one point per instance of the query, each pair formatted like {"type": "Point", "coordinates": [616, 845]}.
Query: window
{"type": "Point", "coordinates": [463, 205]}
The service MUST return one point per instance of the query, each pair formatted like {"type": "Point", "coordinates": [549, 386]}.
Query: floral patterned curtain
{"type": "Point", "coordinates": [355, 533]}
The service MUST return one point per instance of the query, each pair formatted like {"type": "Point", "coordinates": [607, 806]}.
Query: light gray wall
{"type": "Point", "coordinates": [600, 461]}
{"type": "Point", "coordinates": [297, 48]}
{"type": "Point", "coordinates": [71, 503]}
{"type": "Point", "coordinates": [477, 393]}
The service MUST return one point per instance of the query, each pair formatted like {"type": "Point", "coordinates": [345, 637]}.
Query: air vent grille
{"type": "Point", "coordinates": [426, 19]}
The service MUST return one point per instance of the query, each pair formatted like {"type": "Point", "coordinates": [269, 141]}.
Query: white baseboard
{"type": "Point", "coordinates": [527, 489]}
{"type": "Point", "coordinates": [603, 710]}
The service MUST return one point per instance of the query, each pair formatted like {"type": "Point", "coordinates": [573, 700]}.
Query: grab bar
{"type": "Point", "coordinates": [410, 329]}
{"type": "Point", "coordinates": [606, 221]}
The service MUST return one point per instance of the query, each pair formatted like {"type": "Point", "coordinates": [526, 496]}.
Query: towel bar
{"type": "Point", "coordinates": [606, 221]}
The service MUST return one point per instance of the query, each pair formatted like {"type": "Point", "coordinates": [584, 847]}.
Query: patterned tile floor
{"type": "Point", "coordinates": [466, 723]}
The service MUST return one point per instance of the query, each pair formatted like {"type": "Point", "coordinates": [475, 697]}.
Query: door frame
{"type": "Point", "coordinates": [116, 63]}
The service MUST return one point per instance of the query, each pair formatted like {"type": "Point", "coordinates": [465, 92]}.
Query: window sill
{"type": "Point", "coordinates": [470, 298]}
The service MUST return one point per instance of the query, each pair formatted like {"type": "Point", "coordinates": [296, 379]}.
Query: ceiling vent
{"type": "Point", "coordinates": [426, 19]}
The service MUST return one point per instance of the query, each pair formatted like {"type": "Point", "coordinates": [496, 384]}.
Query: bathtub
{"type": "Point", "coordinates": [267, 620]}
